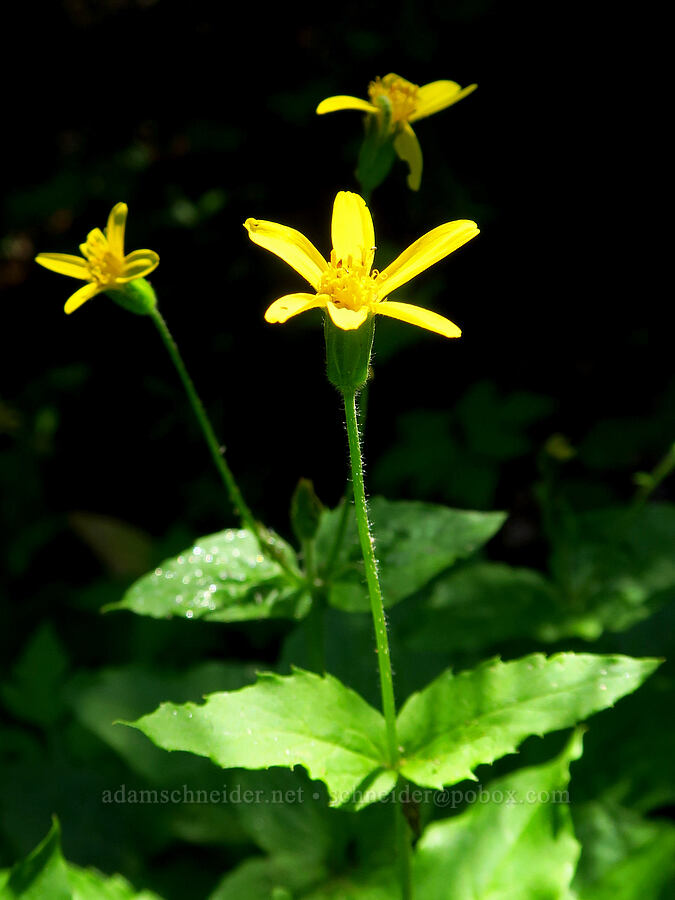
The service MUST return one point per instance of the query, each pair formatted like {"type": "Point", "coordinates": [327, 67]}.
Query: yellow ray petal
{"type": "Point", "coordinates": [426, 251]}
{"type": "Point", "coordinates": [95, 243]}
{"type": "Point", "coordinates": [138, 264]}
{"type": "Point", "coordinates": [292, 305]}
{"type": "Point", "coordinates": [352, 229]}
{"type": "Point", "coordinates": [433, 97]}
{"type": "Point", "coordinates": [408, 149]}
{"type": "Point", "coordinates": [65, 264]}
{"type": "Point", "coordinates": [347, 319]}
{"type": "Point", "coordinates": [415, 315]}
{"type": "Point", "coordinates": [334, 104]}
{"type": "Point", "coordinates": [114, 231]}
{"type": "Point", "coordinates": [290, 245]}
{"type": "Point", "coordinates": [81, 296]}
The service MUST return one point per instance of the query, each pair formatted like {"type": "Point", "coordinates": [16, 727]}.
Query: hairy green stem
{"type": "Point", "coordinates": [372, 578]}
{"type": "Point", "coordinates": [381, 639]}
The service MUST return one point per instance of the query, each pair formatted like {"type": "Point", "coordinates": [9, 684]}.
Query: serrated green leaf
{"type": "Point", "coordinates": [461, 721]}
{"type": "Point", "coordinates": [302, 719]}
{"type": "Point", "coordinates": [414, 542]}
{"type": "Point", "coordinates": [89, 884]}
{"type": "Point", "coordinates": [221, 578]}
{"type": "Point", "coordinates": [519, 843]}
{"type": "Point", "coordinates": [625, 857]}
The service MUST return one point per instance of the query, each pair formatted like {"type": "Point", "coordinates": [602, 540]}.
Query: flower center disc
{"type": "Point", "coordinates": [402, 95]}
{"type": "Point", "coordinates": [348, 285]}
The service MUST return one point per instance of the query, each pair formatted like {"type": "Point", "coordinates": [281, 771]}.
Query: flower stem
{"type": "Point", "coordinates": [382, 641]}
{"type": "Point", "coordinates": [217, 451]}
{"type": "Point", "coordinates": [372, 579]}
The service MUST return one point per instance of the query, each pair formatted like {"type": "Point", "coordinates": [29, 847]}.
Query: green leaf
{"type": "Point", "coordinates": [276, 878]}
{"type": "Point", "coordinates": [127, 692]}
{"type": "Point", "coordinates": [479, 606]}
{"type": "Point", "coordinates": [461, 721]}
{"type": "Point", "coordinates": [615, 568]}
{"type": "Point", "coordinates": [34, 693]}
{"type": "Point", "coordinates": [302, 719]}
{"type": "Point", "coordinates": [624, 857]}
{"type": "Point", "coordinates": [45, 875]}
{"type": "Point", "coordinates": [414, 542]}
{"type": "Point", "coordinates": [42, 875]}
{"type": "Point", "coordinates": [519, 843]}
{"type": "Point", "coordinates": [222, 578]}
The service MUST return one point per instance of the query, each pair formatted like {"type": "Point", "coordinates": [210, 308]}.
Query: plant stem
{"type": "Point", "coordinates": [403, 848]}
{"type": "Point", "coordinates": [217, 451]}
{"type": "Point", "coordinates": [374, 590]}
{"type": "Point", "coordinates": [382, 641]}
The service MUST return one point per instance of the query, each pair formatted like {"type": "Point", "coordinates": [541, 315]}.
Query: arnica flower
{"type": "Point", "coordinates": [103, 264]}
{"type": "Point", "coordinates": [397, 103]}
{"type": "Point", "coordinates": [347, 286]}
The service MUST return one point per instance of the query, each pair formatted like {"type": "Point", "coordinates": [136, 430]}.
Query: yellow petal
{"type": "Point", "coordinates": [426, 251]}
{"type": "Point", "coordinates": [292, 305]}
{"type": "Point", "coordinates": [65, 264]}
{"type": "Point", "coordinates": [334, 104]}
{"type": "Point", "coordinates": [352, 230]}
{"type": "Point", "coordinates": [290, 245]}
{"type": "Point", "coordinates": [347, 319]}
{"type": "Point", "coordinates": [415, 315]}
{"type": "Point", "coordinates": [408, 149]}
{"type": "Point", "coordinates": [79, 297]}
{"type": "Point", "coordinates": [433, 97]}
{"type": "Point", "coordinates": [95, 244]}
{"type": "Point", "coordinates": [137, 265]}
{"type": "Point", "coordinates": [114, 231]}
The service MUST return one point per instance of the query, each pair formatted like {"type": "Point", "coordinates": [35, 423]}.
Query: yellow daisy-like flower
{"type": "Point", "coordinates": [347, 286]}
{"type": "Point", "coordinates": [404, 102]}
{"type": "Point", "coordinates": [103, 264]}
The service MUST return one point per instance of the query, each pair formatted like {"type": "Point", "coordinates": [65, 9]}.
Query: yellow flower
{"type": "Point", "coordinates": [405, 103]}
{"type": "Point", "coordinates": [346, 287]}
{"type": "Point", "coordinates": [103, 264]}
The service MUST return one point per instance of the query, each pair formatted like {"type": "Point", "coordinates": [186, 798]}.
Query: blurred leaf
{"type": "Point", "coordinates": [34, 692]}
{"type": "Point", "coordinates": [274, 878]}
{"type": "Point", "coordinates": [505, 849]}
{"type": "Point", "coordinates": [222, 578]}
{"type": "Point", "coordinates": [615, 566]}
{"type": "Point", "coordinates": [461, 721]}
{"type": "Point", "coordinates": [479, 606]}
{"type": "Point", "coordinates": [624, 856]}
{"type": "Point", "coordinates": [301, 719]}
{"type": "Point", "coordinates": [457, 455]}
{"type": "Point", "coordinates": [123, 549]}
{"type": "Point", "coordinates": [101, 698]}
{"type": "Point", "coordinates": [414, 543]}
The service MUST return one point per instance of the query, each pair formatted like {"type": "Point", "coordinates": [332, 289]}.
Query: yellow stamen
{"type": "Point", "coordinates": [401, 94]}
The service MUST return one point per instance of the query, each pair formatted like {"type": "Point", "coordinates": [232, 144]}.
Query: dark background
{"type": "Point", "coordinates": [201, 114]}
